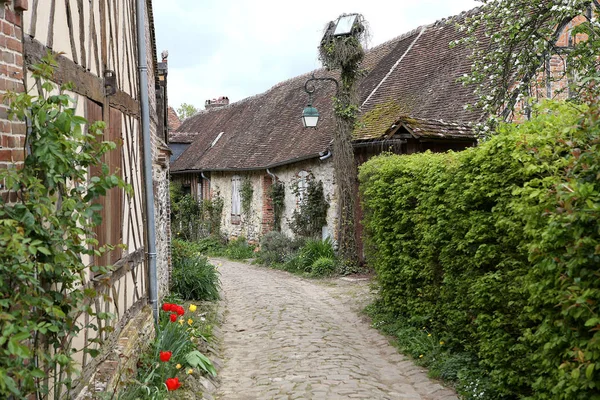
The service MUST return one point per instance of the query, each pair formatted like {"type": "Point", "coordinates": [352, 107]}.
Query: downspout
{"type": "Point", "coordinates": [325, 156]}
{"type": "Point", "coordinates": [272, 175]}
{"type": "Point", "coordinates": [148, 184]}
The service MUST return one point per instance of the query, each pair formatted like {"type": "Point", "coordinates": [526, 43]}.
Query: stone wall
{"type": "Point", "coordinates": [261, 216]}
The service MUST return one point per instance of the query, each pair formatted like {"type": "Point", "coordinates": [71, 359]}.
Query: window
{"type": "Point", "coordinates": [303, 178]}
{"type": "Point", "coordinates": [236, 183]}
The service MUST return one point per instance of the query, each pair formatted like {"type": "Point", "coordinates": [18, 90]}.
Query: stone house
{"type": "Point", "coordinates": [96, 48]}
{"type": "Point", "coordinates": [410, 101]}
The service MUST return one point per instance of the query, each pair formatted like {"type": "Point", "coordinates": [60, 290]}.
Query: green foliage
{"type": "Point", "coordinates": [312, 251]}
{"type": "Point", "coordinates": [246, 193]}
{"type": "Point", "coordinates": [186, 110]}
{"type": "Point", "coordinates": [309, 219]}
{"type": "Point", "coordinates": [239, 249]}
{"type": "Point", "coordinates": [196, 359]}
{"type": "Point", "coordinates": [194, 278]}
{"type": "Point", "coordinates": [43, 236]}
{"type": "Point", "coordinates": [277, 194]}
{"type": "Point", "coordinates": [495, 249]}
{"type": "Point", "coordinates": [191, 219]}
{"type": "Point", "coordinates": [275, 248]}
{"type": "Point", "coordinates": [322, 266]}
{"type": "Point", "coordinates": [522, 36]}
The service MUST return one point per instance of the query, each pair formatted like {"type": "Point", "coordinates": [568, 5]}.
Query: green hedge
{"type": "Point", "coordinates": [497, 250]}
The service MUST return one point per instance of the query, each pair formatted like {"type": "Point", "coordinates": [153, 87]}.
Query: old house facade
{"type": "Point", "coordinates": [96, 47]}
{"type": "Point", "coordinates": [410, 101]}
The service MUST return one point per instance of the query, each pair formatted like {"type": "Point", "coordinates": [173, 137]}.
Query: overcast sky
{"type": "Point", "coordinates": [239, 48]}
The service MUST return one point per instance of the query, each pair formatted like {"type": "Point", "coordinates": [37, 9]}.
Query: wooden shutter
{"type": "Point", "coordinates": [235, 196]}
{"type": "Point", "coordinates": [111, 229]}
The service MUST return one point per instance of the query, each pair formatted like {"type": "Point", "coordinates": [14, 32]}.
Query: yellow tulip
{"type": "Point", "coordinates": [178, 366]}
{"type": "Point", "coordinates": [193, 307]}
{"type": "Point", "coordinates": [189, 371]}
{"type": "Point", "coordinates": [190, 321]}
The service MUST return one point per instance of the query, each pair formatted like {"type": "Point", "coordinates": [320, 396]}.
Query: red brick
{"type": "Point", "coordinates": [12, 17]}
{"type": "Point", "coordinates": [14, 44]}
{"type": "Point", "coordinates": [5, 155]}
{"type": "Point", "coordinates": [19, 128]}
{"type": "Point", "coordinates": [21, 5]}
{"type": "Point", "coordinates": [18, 155]}
{"type": "Point", "coordinates": [7, 28]}
{"type": "Point", "coordinates": [18, 32]}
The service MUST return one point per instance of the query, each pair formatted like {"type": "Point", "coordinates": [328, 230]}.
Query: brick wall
{"type": "Point", "coordinates": [12, 134]}
{"type": "Point", "coordinates": [267, 205]}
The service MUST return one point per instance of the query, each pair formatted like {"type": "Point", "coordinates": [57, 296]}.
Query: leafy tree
{"type": "Point", "coordinates": [514, 39]}
{"type": "Point", "coordinates": [186, 110]}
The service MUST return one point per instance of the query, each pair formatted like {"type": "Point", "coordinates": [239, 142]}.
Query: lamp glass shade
{"type": "Point", "coordinates": [310, 117]}
{"type": "Point", "coordinates": [344, 25]}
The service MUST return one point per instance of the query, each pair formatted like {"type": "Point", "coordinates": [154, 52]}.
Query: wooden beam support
{"type": "Point", "coordinates": [85, 83]}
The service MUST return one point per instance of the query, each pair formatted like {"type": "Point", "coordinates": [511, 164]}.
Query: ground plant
{"type": "Point", "coordinates": [494, 251]}
{"type": "Point", "coordinates": [48, 212]}
{"type": "Point", "coordinates": [194, 278]}
{"type": "Point", "coordinates": [171, 357]}
{"type": "Point", "coordinates": [194, 220]}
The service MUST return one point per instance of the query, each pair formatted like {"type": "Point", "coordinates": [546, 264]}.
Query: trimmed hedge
{"type": "Point", "coordinates": [497, 249]}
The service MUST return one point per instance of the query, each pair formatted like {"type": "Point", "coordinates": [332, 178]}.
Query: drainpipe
{"type": "Point", "coordinates": [272, 175]}
{"type": "Point", "coordinates": [325, 156]}
{"type": "Point", "coordinates": [148, 184]}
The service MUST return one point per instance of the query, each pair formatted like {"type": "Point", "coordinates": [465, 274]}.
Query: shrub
{"type": "Point", "coordinates": [194, 278]}
{"type": "Point", "coordinates": [275, 248]}
{"type": "Point", "coordinates": [323, 266]}
{"type": "Point", "coordinates": [239, 249]}
{"type": "Point", "coordinates": [496, 248]}
{"type": "Point", "coordinates": [311, 251]}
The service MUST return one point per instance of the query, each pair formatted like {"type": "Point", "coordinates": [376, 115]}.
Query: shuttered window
{"type": "Point", "coordinates": [236, 205]}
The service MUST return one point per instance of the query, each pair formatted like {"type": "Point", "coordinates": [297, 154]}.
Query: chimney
{"type": "Point", "coordinates": [215, 103]}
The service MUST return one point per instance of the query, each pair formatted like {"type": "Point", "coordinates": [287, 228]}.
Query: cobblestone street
{"type": "Point", "coordinates": [291, 338]}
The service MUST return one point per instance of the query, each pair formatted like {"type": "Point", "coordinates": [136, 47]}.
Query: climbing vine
{"type": "Point", "coordinates": [311, 215]}
{"type": "Point", "coordinates": [346, 54]}
{"type": "Point", "coordinates": [246, 193]}
{"type": "Point", "coordinates": [277, 195]}
{"type": "Point", "coordinates": [47, 218]}
{"type": "Point", "coordinates": [192, 219]}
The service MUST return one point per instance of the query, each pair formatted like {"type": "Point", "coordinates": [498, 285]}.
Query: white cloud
{"type": "Point", "coordinates": [241, 48]}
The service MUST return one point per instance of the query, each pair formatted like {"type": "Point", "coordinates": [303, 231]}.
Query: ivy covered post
{"type": "Point", "coordinates": [341, 49]}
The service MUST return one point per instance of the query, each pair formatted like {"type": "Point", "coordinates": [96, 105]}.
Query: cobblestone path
{"type": "Point", "coordinates": [290, 338]}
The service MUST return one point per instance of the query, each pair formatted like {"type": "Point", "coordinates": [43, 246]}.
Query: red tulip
{"type": "Point", "coordinates": [173, 317]}
{"type": "Point", "coordinates": [165, 356]}
{"type": "Point", "coordinates": [166, 307]}
{"type": "Point", "coordinates": [179, 310]}
{"type": "Point", "coordinates": [172, 383]}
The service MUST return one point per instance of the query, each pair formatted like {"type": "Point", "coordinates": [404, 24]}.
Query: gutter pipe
{"type": "Point", "coordinates": [325, 156]}
{"type": "Point", "coordinates": [148, 183]}
{"type": "Point", "coordinates": [272, 175]}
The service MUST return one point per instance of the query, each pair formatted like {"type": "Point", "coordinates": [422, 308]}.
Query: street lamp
{"type": "Point", "coordinates": [310, 115]}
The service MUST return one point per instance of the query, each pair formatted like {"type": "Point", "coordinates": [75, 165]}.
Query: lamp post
{"type": "Point", "coordinates": [341, 49]}
{"type": "Point", "coordinates": [310, 115]}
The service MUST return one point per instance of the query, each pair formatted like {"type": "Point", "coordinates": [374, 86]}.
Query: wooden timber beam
{"type": "Point", "coordinates": [84, 82]}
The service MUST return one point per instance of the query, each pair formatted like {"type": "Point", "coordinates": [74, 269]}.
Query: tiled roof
{"type": "Point", "coordinates": [435, 129]}
{"type": "Point", "coordinates": [174, 121]}
{"type": "Point", "coordinates": [412, 75]}
{"type": "Point", "coordinates": [182, 137]}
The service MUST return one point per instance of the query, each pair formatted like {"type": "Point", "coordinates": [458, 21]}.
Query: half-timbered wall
{"type": "Point", "coordinates": [92, 39]}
